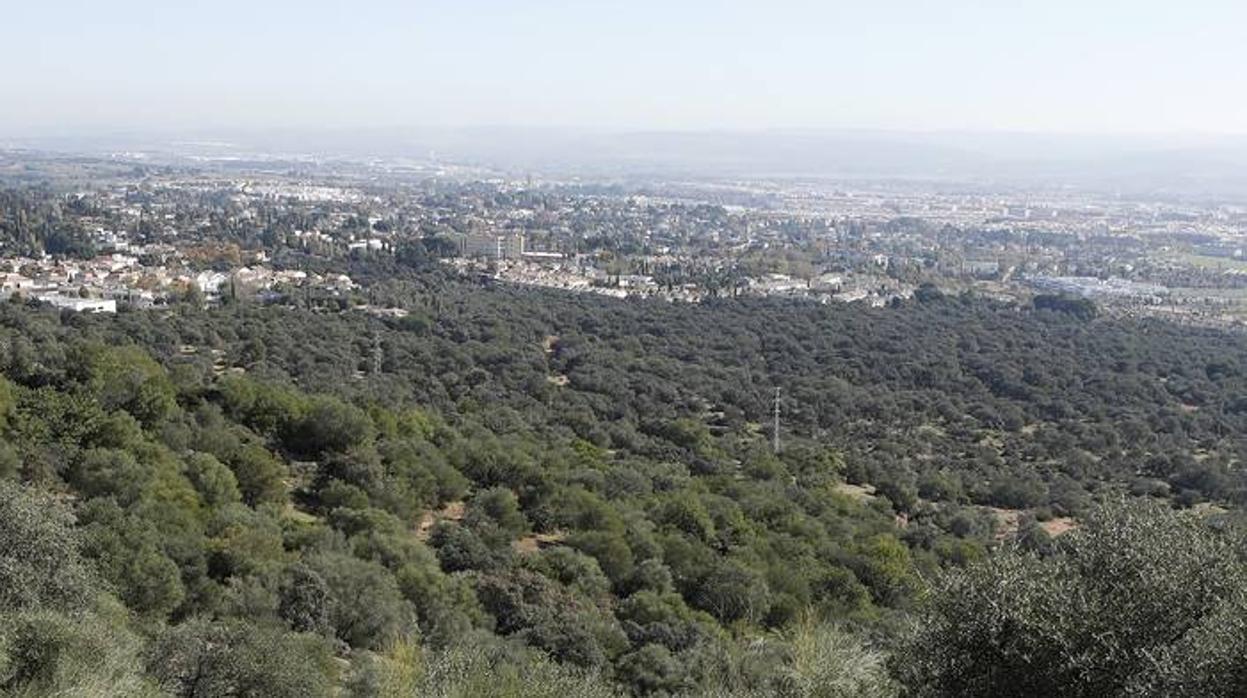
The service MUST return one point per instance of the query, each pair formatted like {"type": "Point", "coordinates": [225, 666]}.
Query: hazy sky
{"type": "Point", "coordinates": [1043, 65]}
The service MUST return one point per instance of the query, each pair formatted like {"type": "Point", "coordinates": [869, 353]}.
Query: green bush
{"type": "Point", "coordinates": [1142, 600]}
{"type": "Point", "coordinates": [206, 659]}
{"type": "Point", "coordinates": [40, 565]}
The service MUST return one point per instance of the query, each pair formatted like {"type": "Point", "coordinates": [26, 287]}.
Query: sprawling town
{"type": "Point", "coordinates": [143, 232]}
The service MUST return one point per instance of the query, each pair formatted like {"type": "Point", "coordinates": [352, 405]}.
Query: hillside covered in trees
{"type": "Point", "coordinates": [516, 492]}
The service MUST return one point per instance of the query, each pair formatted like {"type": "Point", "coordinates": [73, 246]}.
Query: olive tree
{"type": "Point", "coordinates": [1143, 600]}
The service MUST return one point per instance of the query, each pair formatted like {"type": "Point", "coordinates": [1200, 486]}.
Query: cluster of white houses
{"type": "Point", "coordinates": [100, 284]}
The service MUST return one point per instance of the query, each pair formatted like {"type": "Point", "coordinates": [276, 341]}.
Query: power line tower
{"type": "Point", "coordinates": [775, 429]}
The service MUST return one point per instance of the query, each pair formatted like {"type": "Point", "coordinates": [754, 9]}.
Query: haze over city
{"type": "Point", "coordinates": [1145, 67]}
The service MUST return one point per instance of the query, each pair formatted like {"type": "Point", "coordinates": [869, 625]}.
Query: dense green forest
{"type": "Point", "coordinates": [517, 492]}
